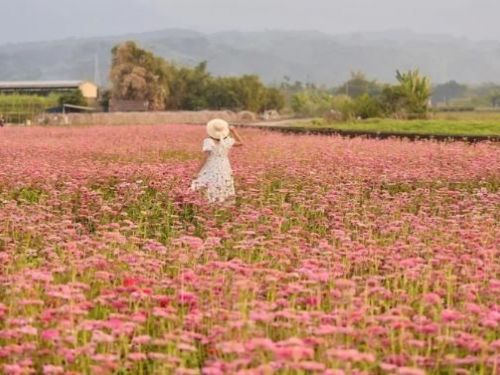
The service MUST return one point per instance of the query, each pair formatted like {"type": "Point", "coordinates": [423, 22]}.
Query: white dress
{"type": "Point", "coordinates": [216, 176]}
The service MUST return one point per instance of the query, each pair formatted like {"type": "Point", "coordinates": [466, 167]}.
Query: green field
{"type": "Point", "coordinates": [458, 127]}
{"type": "Point", "coordinates": [486, 114]}
{"type": "Point", "coordinates": [19, 108]}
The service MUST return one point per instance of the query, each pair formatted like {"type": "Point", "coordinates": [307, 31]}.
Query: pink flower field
{"type": "Point", "coordinates": [339, 256]}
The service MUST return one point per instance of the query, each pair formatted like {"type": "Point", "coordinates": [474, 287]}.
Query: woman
{"type": "Point", "coordinates": [215, 175]}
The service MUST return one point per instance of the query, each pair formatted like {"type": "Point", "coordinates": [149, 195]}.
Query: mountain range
{"type": "Point", "coordinates": [306, 56]}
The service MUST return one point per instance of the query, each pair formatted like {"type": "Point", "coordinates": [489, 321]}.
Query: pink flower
{"type": "Point", "coordinates": [193, 242]}
{"type": "Point", "coordinates": [293, 353]}
{"type": "Point", "coordinates": [137, 357]}
{"type": "Point", "coordinates": [473, 308]}
{"type": "Point", "coordinates": [28, 330]}
{"type": "Point", "coordinates": [389, 367]}
{"type": "Point", "coordinates": [351, 355]}
{"type": "Point", "coordinates": [495, 285]}
{"type": "Point", "coordinates": [311, 366]}
{"type": "Point", "coordinates": [410, 371]}
{"type": "Point", "coordinates": [231, 347]}
{"type": "Point", "coordinates": [338, 252]}
{"type": "Point", "coordinates": [141, 340]}
{"type": "Point", "coordinates": [50, 335]}
{"type": "Point", "coordinates": [261, 316]}
{"type": "Point", "coordinates": [187, 298]}
{"type": "Point", "coordinates": [495, 345]}
{"type": "Point", "coordinates": [260, 343]}
{"type": "Point", "coordinates": [130, 282]}
{"type": "Point", "coordinates": [334, 372]}
{"type": "Point", "coordinates": [13, 369]}
{"type": "Point", "coordinates": [158, 356]}
{"type": "Point", "coordinates": [101, 337]}
{"type": "Point", "coordinates": [449, 315]}
{"type": "Point", "coordinates": [432, 299]}
{"type": "Point", "coordinates": [345, 284]}
{"type": "Point", "coordinates": [52, 370]}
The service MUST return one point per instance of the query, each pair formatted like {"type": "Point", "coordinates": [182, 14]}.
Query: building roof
{"type": "Point", "coordinates": [13, 85]}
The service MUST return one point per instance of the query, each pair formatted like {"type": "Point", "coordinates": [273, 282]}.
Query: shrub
{"type": "Point", "coordinates": [366, 106]}
{"type": "Point", "coordinates": [311, 103]}
{"type": "Point", "coordinates": [343, 104]}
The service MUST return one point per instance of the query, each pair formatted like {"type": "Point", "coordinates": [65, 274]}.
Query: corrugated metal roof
{"type": "Point", "coordinates": [40, 84]}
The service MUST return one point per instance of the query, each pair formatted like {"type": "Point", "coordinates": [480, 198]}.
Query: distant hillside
{"type": "Point", "coordinates": [301, 55]}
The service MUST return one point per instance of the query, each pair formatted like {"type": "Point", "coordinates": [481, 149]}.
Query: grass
{"type": "Point", "coordinates": [439, 126]}
{"type": "Point", "coordinates": [477, 115]}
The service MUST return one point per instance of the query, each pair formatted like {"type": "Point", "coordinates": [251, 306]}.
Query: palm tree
{"type": "Point", "coordinates": [416, 90]}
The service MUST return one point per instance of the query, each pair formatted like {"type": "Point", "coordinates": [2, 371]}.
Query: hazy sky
{"type": "Point", "coordinates": [27, 20]}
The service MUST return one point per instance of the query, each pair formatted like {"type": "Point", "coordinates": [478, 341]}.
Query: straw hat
{"type": "Point", "coordinates": [218, 128]}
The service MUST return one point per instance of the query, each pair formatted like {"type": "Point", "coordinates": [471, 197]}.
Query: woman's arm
{"type": "Point", "coordinates": [236, 136]}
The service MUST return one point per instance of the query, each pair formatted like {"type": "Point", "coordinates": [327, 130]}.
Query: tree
{"type": "Point", "coordinates": [286, 86]}
{"type": "Point", "coordinates": [223, 94]}
{"type": "Point", "coordinates": [494, 97]}
{"type": "Point", "coordinates": [410, 97]}
{"type": "Point", "coordinates": [445, 92]}
{"type": "Point", "coordinates": [301, 104]}
{"type": "Point", "coordinates": [274, 99]}
{"type": "Point", "coordinates": [137, 74]}
{"type": "Point", "coordinates": [189, 87]}
{"type": "Point", "coordinates": [105, 99]}
{"type": "Point", "coordinates": [74, 97]}
{"type": "Point", "coordinates": [359, 85]}
{"type": "Point", "coordinates": [416, 89]}
{"type": "Point", "coordinates": [252, 93]}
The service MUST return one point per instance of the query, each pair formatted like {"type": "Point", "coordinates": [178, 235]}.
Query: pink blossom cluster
{"type": "Point", "coordinates": [340, 256]}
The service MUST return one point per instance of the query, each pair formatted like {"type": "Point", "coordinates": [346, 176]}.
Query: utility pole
{"type": "Point", "coordinates": [96, 70]}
